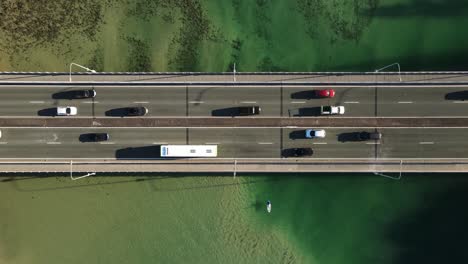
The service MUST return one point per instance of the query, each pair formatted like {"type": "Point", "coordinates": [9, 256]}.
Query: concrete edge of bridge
{"type": "Point", "coordinates": [234, 166]}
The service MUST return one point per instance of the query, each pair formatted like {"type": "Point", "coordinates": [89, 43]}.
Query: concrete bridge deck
{"type": "Point", "coordinates": [243, 78]}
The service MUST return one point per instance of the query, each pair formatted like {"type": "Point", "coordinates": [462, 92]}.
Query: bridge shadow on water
{"type": "Point", "coordinates": [437, 232]}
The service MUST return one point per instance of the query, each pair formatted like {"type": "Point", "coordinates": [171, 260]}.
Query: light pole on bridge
{"type": "Point", "coordinates": [81, 66]}
{"type": "Point", "coordinates": [388, 66]}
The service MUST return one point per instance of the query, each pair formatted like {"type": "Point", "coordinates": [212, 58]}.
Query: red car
{"type": "Point", "coordinates": [326, 93]}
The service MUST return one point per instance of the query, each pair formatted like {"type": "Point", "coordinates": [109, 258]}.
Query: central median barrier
{"type": "Point", "coordinates": [237, 122]}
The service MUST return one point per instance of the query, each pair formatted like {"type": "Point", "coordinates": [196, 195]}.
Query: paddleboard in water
{"type": "Point", "coordinates": [268, 206]}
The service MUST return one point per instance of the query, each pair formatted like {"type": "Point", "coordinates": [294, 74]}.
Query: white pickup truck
{"type": "Point", "coordinates": [331, 110]}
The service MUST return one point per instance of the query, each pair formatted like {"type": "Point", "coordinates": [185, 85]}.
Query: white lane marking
{"type": "Point", "coordinates": [373, 143]}
{"type": "Point", "coordinates": [298, 102]}
{"type": "Point", "coordinates": [141, 102]}
{"type": "Point", "coordinates": [426, 143]}
{"type": "Point", "coordinates": [351, 102]}
{"type": "Point", "coordinates": [3, 142]}
{"type": "Point", "coordinates": [54, 143]}
{"type": "Point", "coordinates": [319, 143]}
{"type": "Point", "coordinates": [291, 127]}
{"type": "Point", "coordinates": [212, 143]}
{"type": "Point", "coordinates": [196, 102]}
{"type": "Point", "coordinates": [106, 143]}
{"type": "Point", "coordinates": [159, 143]}
{"type": "Point", "coordinates": [90, 102]}
{"type": "Point", "coordinates": [248, 102]}
{"type": "Point", "coordinates": [265, 143]}
{"type": "Point", "coordinates": [405, 102]}
{"type": "Point", "coordinates": [36, 102]}
{"type": "Point", "coordinates": [460, 102]}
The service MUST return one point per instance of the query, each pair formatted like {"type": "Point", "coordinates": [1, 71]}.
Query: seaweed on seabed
{"type": "Point", "coordinates": [27, 24]}
{"type": "Point", "coordinates": [195, 28]}
{"type": "Point", "coordinates": [139, 55]}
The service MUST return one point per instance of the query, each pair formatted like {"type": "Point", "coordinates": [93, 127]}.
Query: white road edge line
{"type": "Point", "coordinates": [141, 102]}
{"type": "Point", "coordinates": [159, 143]}
{"type": "Point", "coordinates": [460, 102]}
{"type": "Point", "coordinates": [196, 102]}
{"type": "Point", "coordinates": [353, 102]}
{"type": "Point", "coordinates": [265, 143]}
{"type": "Point", "coordinates": [106, 143]}
{"type": "Point", "coordinates": [54, 143]}
{"type": "Point", "coordinates": [405, 102]}
{"type": "Point", "coordinates": [426, 143]}
{"type": "Point", "coordinates": [248, 102]}
{"type": "Point", "coordinates": [3, 142]}
{"type": "Point", "coordinates": [319, 143]}
{"type": "Point", "coordinates": [212, 143]}
{"type": "Point", "coordinates": [373, 143]}
{"type": "Point", "coordinates": [90, 102]}
{"type": "Point", "coordinates": [298, 102]}
{"type": "Point", "coordinates": [36, 102]}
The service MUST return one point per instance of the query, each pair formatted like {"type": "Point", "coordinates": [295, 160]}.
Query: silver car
{"type": "Point", "coordinates": [315, 133]}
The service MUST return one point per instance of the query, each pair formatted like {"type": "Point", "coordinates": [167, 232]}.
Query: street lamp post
{"type": "Point", "coordinates": [80, 177]}
{"type": "Point", "coordinates": [388, 66]}
{"type": "Point", "coordinates": [81, 66]}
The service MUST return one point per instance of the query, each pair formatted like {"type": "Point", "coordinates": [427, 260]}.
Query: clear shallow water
{"type": "Point", "coordinates": [207, 35]}
{"type": "Point", "coordinates": [208, 219]}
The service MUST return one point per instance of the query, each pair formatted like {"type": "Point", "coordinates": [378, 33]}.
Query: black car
{"type": "Point", "coordinates": [94, 137]}
{"type": "Point", "coordinates": [136, 111]}
{"type": "Point", "coordinates": [298, 152]}
{"type": "Point", "coordinates": [249, 110]}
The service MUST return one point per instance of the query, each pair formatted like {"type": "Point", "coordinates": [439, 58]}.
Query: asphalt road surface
{"type": "Point", "coordinates": [143, 143]}
{"type": "Point", "coordinates": [420, 101]}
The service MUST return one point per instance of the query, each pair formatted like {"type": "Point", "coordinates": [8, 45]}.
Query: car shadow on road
{"type": "Point", "coordinates": [305, 95]}
{"type": "Point", "coordinates": [229, 111]}
{"type": "Point", "coordinates": [67, 95]}
{"type": "Point", "coordinates": [47, 112]}
{"type": "Point", "coordinates": [119, 112]}
{"type": "Point", "coordinates": [309, 111]}
{"type": "Point", "coordinates": [297, 134]}
{"type": "Point", "coordinates": [348, 136]}
{"type": "Point", "coordinates": [146, 152]}
{"type": "Point", "coordinates": [460, 95]}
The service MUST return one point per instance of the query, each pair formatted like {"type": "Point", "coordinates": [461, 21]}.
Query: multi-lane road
{"type": "Point", "coordinates": [143, 143]}
{"type": "Point", "coordinates": [421, 117]}
{"type": "Point", "coordinates": [209, 101]}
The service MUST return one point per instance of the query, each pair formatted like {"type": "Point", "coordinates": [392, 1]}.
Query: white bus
{"type": "Point", "coordinates": [188, 151]}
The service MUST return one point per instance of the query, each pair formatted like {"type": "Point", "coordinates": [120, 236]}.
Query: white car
{"type": "Point", "coordinates": [332, 110]}
{"type": "Point", "coordinates": [315, 133]}
{"type": "Point", "coordinates": [66, 110]}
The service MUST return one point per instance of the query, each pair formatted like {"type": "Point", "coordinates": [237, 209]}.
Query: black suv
{"type": "Point", "coordinates": [249, 110]}
{"type": "Point", "coordinates": [94, 137]}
